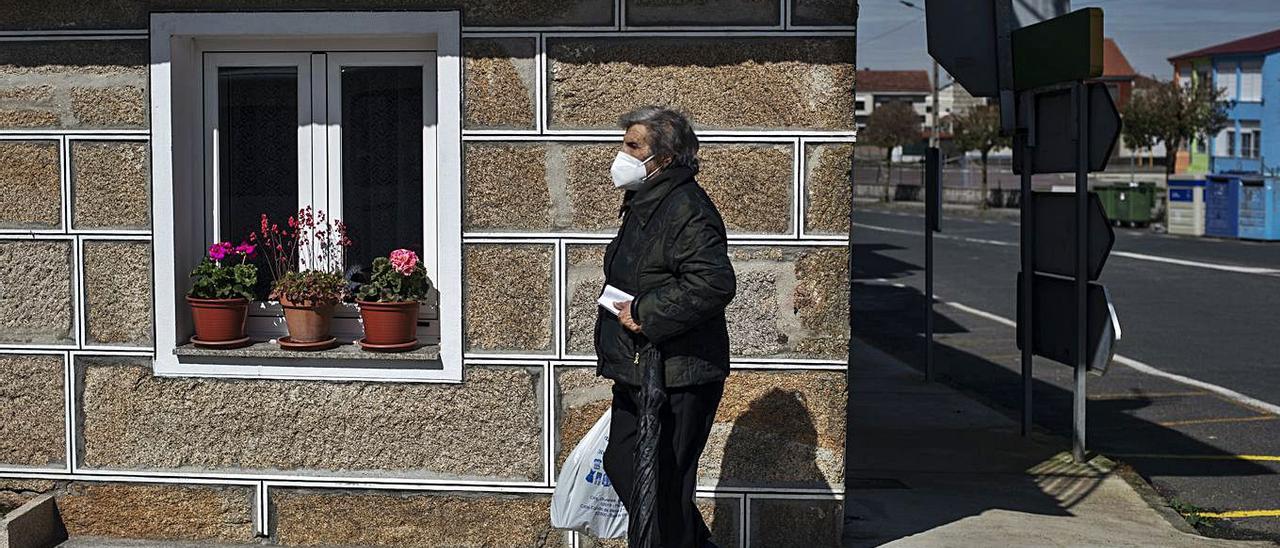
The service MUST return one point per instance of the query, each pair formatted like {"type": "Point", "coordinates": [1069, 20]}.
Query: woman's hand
{"type": "Point", "coordinates": [624, 316]}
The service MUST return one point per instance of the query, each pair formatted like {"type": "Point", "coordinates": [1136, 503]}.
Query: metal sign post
{"type": "Point", "coordinates": [1079, 93]}
{"type": "Point", "coordinates": [933, 206]}
{"type": "Point", "coordinates": [1027, 138]}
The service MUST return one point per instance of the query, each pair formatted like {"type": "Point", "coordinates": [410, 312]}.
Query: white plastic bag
{"type": "Point", "coordinates": [584, 499]}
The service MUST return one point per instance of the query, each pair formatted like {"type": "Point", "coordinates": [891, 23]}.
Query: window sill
{"type": "Point", "coordinates": [345, 362]}
{"type": "Point", "coordinates": [346, 351]}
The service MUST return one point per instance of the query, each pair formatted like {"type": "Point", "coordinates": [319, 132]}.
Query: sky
{"type": "Point", "coordinates": [892, 36]}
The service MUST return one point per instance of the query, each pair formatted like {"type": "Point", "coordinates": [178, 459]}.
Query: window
{"type": "Point", "coordinates": [860, 105]}
{"type": "Point", "coordinates": [1229, 142]}
{"type": "Point", "coordinates": [1226, 73]}
{"type": "Point", "coordinates": [1251, 81]}
{"type": "Point", "coordinates": [1250, 140]}
{"type": "Point", "coordinates": [371, 104]}
{"type": "Point", "coordinates": [353, 113]}
{"type": "Point", "coordinates": [1200, 146]}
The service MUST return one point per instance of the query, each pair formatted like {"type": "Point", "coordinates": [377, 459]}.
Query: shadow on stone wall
{"type": "Point", "coordinates": [777, 417]}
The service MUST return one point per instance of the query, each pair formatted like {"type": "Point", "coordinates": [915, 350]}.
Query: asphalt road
{"type": "Point", "coordinates": [1203, 309]}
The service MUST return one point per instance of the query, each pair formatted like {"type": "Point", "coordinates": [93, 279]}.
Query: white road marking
{"type": "Point", "coordinates": [1224, 392]}
{"type": "Point", "coordinates": [1184, 262]}
{"type": "Point", "coordinates": [1142, 367]}
{"type": "Point", "coordinates": [942, 236]}
{"type": "Point", "coordinates": [981, 313]}
{"type": "Point", "coordinates": [1256, 270]}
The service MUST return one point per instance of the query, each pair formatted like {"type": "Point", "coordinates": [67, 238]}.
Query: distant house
{"type": "Point", "coordinates": [1117, 73]}
{"type": "Point", "coordinates": [1248, 72]}
{"type": "Point", "coordinates": [878, 87]}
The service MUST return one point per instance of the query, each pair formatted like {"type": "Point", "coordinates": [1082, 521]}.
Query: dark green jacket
{"type": "Point", "coordinates": [671, 253]}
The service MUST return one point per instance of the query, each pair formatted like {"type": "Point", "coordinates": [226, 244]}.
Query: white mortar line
{"type": "Point", "coordinates": [68, 418]}
{"type": "Point", "coordinates": [261, 525]}
{"type": "Point", "coordinates": [64, 179]}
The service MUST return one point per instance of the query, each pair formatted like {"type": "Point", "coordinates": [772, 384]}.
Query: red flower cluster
{"type": "Point", "coordinates": [309, 242]}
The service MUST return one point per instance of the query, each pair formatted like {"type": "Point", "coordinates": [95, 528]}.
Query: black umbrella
{"type": "Point", "coordinates": [642, 527]}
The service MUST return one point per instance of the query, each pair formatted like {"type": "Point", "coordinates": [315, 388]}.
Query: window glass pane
{"type": "Point", "coordinates": [382, 160]}
{"type": "Point", "coordinates": [257, 151]}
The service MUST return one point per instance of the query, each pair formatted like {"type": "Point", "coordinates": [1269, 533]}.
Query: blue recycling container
{"type": "Point", "coordinates": [1222, 206]}
{"type": "Point", "coordinates": [1259, 209]}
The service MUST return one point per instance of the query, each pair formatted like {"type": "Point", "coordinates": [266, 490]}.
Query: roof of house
{"type": "Point", "coordinates": [1114, 63]}
{"type": "Point", "coordinates": [1258, 43]}
{"type": "Point", "coordinates": [912, 81]}
{"type": "Point", "coordinates": [1144, 82]}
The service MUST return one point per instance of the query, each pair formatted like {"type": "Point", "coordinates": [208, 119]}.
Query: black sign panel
{"type": "Point", "coordinates": [1054, 322]}
{"type": "Point", "coordinates": [1055, 234]}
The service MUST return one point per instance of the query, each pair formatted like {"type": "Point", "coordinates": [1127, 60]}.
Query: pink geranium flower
{"type": "Point", "coordinates": [219, 250]}
{"type": "Point", "coordinates": [404, 261]}
{"type": "Point", "coordinates": [247, 249]}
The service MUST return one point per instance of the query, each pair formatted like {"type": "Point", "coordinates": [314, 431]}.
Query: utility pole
{"type": "Point", "coordinates": [933, 135]}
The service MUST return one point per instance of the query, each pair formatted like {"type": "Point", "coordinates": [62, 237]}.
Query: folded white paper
{"type": "Point", "coordinates": [612, 295]}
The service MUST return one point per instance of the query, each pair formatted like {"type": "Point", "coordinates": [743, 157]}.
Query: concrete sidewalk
{"type": "Point", "coordinates": [929, 466]}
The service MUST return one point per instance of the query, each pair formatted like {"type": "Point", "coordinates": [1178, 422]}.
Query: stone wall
{"type": "Point", "coordinates": [405, 464]}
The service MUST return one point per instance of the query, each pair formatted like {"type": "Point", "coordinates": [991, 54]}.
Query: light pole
{"type": "Point", "coordinates": [933, 124]}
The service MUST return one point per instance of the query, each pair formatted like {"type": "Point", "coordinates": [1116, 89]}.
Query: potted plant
{"type": "Point", "coordinates": [389, 302]}
{"type": "Point", "coordinates": [221, 288]}
{"type": "Point", "coordinates": [306, 258]}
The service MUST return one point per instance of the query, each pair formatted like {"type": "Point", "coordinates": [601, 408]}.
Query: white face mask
{"type": "Point", "coordinates": [627, 172]}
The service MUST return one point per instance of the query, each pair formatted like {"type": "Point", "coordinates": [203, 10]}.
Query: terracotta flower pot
{"type": "Point", "coordinates": [219, 320]}
{"type": "Point", "coordinates": [388, 324]}
{"type": "Point", "coordinates": [308, 322]}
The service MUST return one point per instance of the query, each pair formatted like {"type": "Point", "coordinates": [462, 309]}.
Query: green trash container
{"type": "Point", "coordinates": [1107, 194]}
{"type": "Point", "coordinates": [1133, 203]}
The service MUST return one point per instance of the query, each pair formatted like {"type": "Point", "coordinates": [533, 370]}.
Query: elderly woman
{"type": "Point", "coordinates": [670, 255]}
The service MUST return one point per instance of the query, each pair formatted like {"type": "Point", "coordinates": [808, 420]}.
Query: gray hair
{"type": "Point", "coordinates": [670, 134]}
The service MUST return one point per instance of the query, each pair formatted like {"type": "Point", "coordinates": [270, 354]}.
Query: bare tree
{"type": "Point", "coordinates": [979, 129]}
{"type": "Point", "coordinates": [890, 126]}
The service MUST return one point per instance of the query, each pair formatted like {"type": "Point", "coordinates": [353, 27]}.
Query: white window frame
{"type": "Point", "coordinates": [1252, 131]}
{"type": "Point", "coordinates": [1251, 81]}
{"type": "Point", "coordinates": [182, 204]}
{"type": "Point", "coordinates": [1227, 79]}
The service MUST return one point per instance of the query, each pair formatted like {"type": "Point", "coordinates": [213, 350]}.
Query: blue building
{"type": "Point", "coordinates": [1248, 72]}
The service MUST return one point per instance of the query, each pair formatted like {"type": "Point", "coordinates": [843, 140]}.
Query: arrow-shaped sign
{"type": "Point", "coordinates": [1054, 324]}
{"type": "Point", "coordinates": [1055, 234]}
{"type": "Point", "coordinates": [1054, 117]}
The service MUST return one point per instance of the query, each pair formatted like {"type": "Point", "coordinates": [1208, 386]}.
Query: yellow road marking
{"type": "Point", "coordinates": [1214, 421]}
{"type": "Point", "coordinates": [1240, 514]}
{"type": "Point", "coordinates": [1139, 395]}
{"type": "Point", "coordinates": [1258, 458]}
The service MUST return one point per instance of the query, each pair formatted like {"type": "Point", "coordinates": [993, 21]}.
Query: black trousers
{"type": "Point", "coordinates": [686, 421]}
